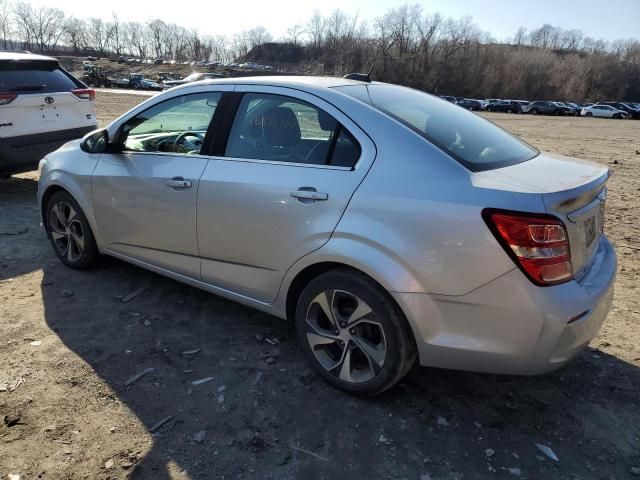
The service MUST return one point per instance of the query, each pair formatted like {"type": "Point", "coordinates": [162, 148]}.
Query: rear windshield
{"type": "Point", "coordinates": [34, 77]}
{"type": "Point", "coordinates": [470, 139]}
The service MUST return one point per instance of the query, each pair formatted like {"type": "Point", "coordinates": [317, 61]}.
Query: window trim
{"type": "Point", "coordinates": [230, 116]}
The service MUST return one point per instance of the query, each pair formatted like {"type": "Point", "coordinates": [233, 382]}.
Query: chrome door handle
{"type": "Point", "coordinates": [178, 183]}
{"type": "Point", "coordinates": [309, 195]}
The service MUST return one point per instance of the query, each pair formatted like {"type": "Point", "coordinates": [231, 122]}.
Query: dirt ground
{"type": "Point", "coordinates": [69, 348]}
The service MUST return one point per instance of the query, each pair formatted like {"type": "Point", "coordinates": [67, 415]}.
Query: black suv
{"type": "Point", "coordinates": [547, 108]}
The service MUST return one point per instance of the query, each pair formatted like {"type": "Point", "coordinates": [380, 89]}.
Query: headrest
{"type": "Point", "coordinates": [280, 127]}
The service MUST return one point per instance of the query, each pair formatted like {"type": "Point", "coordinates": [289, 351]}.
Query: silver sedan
{"type": "Point", "coordinates": [388, 224]}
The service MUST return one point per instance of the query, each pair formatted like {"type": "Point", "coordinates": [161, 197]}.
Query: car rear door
{"type": "Point", "coordinates": [275, 190]}
{"type": "Point", "coordinates": [45, 99]}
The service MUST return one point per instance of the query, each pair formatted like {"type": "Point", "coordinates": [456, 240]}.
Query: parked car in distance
{"type": "Point", "coordinates": [192, 77]}
{"type": "Point", "coordinates": [603, 111]}
{"type": "Point", "coordinates": [547, 108]}
{"type": "Point", "coordinates": [469, 104]}
{"type": "Point", "coordinates": [506, 106]}
{"type": "Point", "coordinates": [572, 109]}
{"type": "Point", "coordinates": [42, 106]}
{"type": "Point", "coordinates": [451, 98]}
{"type": "Point", "coordinates": [633, 112]}
{"type": "Point", "coordinates": [390, 225]}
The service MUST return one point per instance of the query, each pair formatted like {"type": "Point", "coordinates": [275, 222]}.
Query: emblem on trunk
{"type": "Point", "coordinates": [48, 100]}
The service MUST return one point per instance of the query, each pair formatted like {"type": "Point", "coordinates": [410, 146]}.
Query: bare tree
{"type": "Point", "coordinates": [6, 21]}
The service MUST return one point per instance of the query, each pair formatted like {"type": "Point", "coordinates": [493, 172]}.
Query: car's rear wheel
{"type": "Point", "coordinates": [617, 116]}
{"type": "Point", "coordinates": [588, 114]}
{"type": "Point", "coordinates": [509, 110]}
{"type": "Point", "coordinates": [533, 111]}
{"type": "Point", "coordinates": [69, 231]}
{"type": "Point", "coordinates": [353, 333]}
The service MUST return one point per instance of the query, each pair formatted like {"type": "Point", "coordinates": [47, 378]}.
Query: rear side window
{"type": "Point", "coordinates": [284, 129]}
{"type": "Point", "coordinates": [470, 139]}
{"type": "Point", "coordinates": [35, 77]}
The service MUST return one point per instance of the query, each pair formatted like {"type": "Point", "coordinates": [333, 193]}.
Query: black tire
{"type": "Point", "coordinates": [80, 257]}
{"type": "Point", "coordinates": [617, 116]}
{"type": "Point", "coordinates": [588, 114]}
{"type": "Point", "coordinates": [509, 110]}
{"type": "Point", "coordinates": [385, 316]}
{"type": "Point", "coordinates": [533, 111]}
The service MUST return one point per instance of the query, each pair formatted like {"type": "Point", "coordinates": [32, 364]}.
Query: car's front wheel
{"type": "Point", "coordinates": [69, 231]}
{"type": "Point", "coordinates": [353, 333]}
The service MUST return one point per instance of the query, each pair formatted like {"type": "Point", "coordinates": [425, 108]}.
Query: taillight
{"type": "Point", "coordinates": [539, 244]}
{"type": "Point", "coordinates": [6, 98]}
{"type": "Point", "coordinates": [84, 93]}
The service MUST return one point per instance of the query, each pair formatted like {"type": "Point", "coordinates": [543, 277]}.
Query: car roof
{"type": "Point", "coordinates": [292, 81]}
{"type": "Point", "coordinates": [24, 56]}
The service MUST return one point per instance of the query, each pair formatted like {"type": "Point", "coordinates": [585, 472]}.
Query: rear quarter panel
{"type": "Point", "coordinates": [415, 223]}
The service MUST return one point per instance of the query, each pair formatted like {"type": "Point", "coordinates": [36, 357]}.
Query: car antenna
{"type": "Point", "coordinates": [366, 77]}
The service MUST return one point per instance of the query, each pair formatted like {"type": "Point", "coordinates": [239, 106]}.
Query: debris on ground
{"type": "Point", "coordinates": [137, 377]}
{"type": "Point", "coordinates": [308, 452]}
{"type": "Point", "coordinates": [160, 423]}
{"type": "Point", "coordinates": [134, 294]}
{"type": "Point", "coordinates": [547, 451]}
{"type": "Point", "coordinates": [489, 452]}
{"type": "Point", "coordinates": [198, 437]}
{"type": "Point", "coordinates": [108, 464]}
{"type": "Point", "coordinates": [36, 343]}
{"type": "Point", "coordinates": [191, 352]}
{"type": "Point", "coordinates": [201, 381]}
{"type": "Point", "coordinates": [11, 386]}
{"type": "Point", "coordinates": [269, 352]}
{"type": "Point", "coordinates": [13, 476]}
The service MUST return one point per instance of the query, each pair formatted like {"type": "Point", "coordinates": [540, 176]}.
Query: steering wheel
{"type": "Point", "coordinates": [182, 136]}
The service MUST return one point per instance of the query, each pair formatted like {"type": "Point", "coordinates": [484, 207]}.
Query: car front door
{"type": "Point", "coordinates": [277, 188]}
{"type": "Point", "coordinates": [144, 193]}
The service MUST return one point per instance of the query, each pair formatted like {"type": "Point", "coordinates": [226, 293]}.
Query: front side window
{"type": "Point", "coordinates": [284, 129]}
{"type": "Point", "coordinates": [177, 125]}
{"type": "Point", "coordinates": [470, 139]}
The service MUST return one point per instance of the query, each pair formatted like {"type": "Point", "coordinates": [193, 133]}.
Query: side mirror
{"type": "Point", "coordinates": [95, 142]}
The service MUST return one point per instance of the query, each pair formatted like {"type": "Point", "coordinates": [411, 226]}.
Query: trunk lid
{"type": "Point", "coordinates": [573, 190]}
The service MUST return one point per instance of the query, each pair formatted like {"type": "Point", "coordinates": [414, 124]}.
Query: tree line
{"type": "Point", "coordinates": [407, 45]}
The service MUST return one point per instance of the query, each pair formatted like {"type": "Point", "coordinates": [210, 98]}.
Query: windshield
{"type": "Point", "coordinates": [470, 139]}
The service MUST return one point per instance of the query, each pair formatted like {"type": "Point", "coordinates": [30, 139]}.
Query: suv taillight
{"type": "Point", "coordinates": [84, 93]}
{"type": "Point", "coordinates": [6, 98]}
{"type": "Point", "coordinates": [538, 244]}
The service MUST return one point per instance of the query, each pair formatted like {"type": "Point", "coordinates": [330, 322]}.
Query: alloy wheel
{"type": "Point", "coordinates": [345, 336]}
{"type": "Point", "coordinates": [66, 231]}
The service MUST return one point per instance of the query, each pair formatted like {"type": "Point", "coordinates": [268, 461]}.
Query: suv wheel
{"type": "Point", "coordinates": [533, 111]}
{"type": "Point", "coordinates": [69, 232]}
{"type": "Point", "coordinates": [353, 333]}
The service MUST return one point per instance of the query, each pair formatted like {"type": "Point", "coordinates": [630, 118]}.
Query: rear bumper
{"type": "Point", "coordinates": [22, 153]}
{"type": "Point", "coordinates": [510, 326]}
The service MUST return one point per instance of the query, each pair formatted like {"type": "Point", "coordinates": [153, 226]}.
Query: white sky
{"type": "Point", "coordinates": [607, 19]}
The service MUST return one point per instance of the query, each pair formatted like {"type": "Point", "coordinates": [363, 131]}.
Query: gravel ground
{"type": "Point", "coordinates": [71, 349]}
